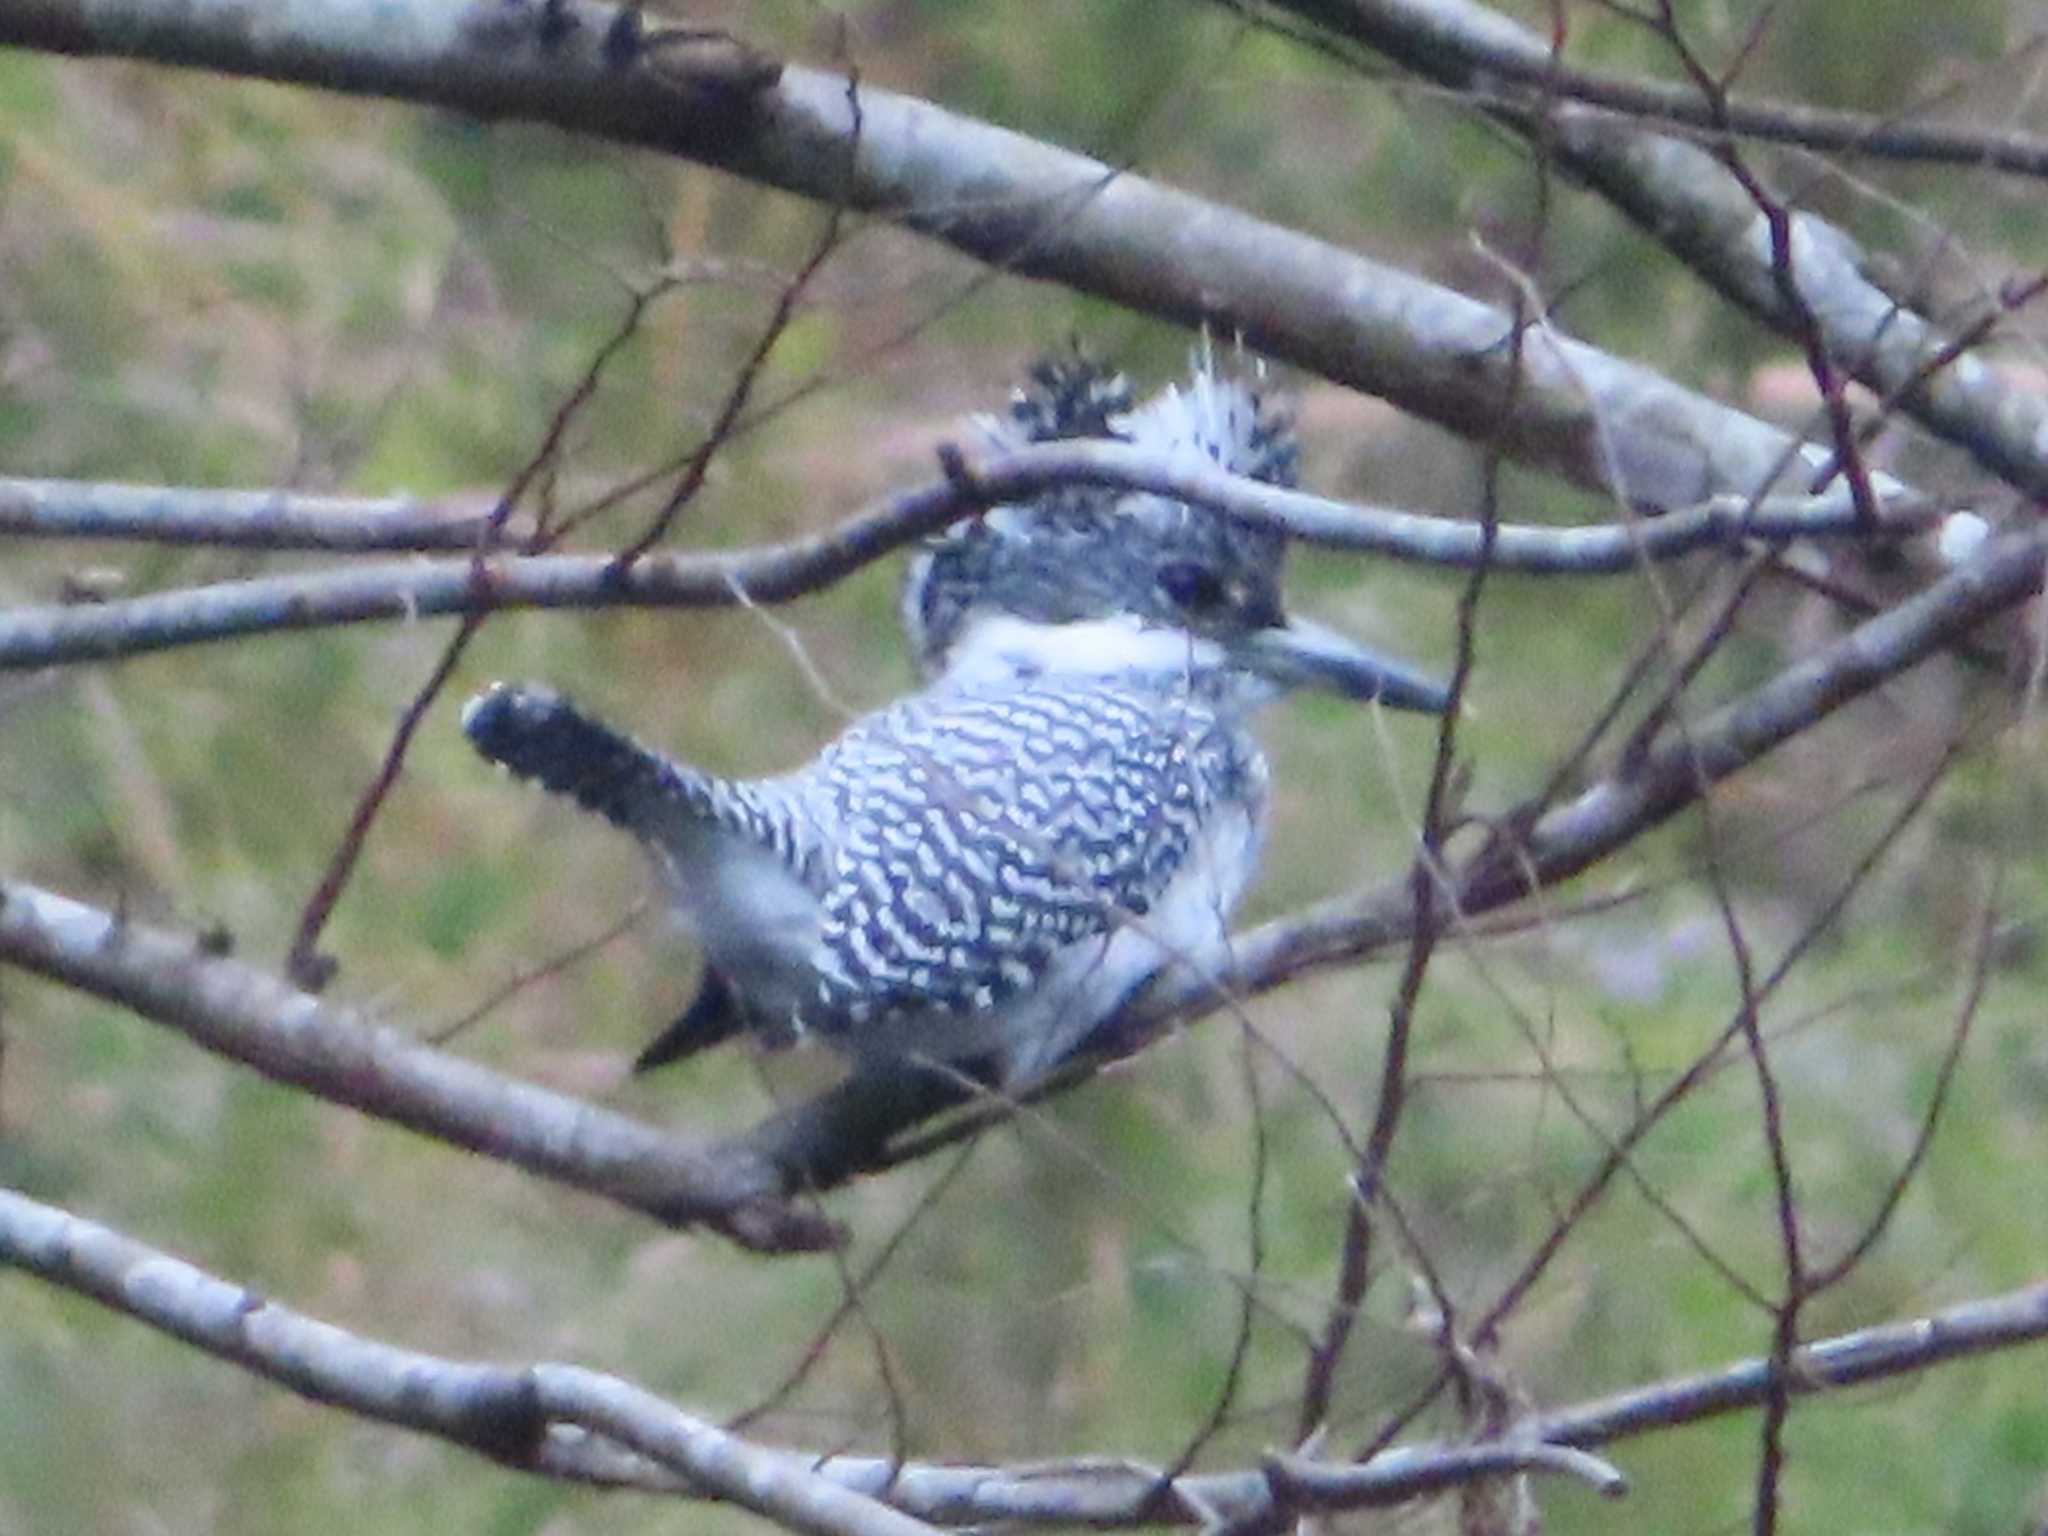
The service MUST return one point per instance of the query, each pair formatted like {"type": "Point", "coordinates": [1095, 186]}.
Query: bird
{"type": "Point", "coordinates": [978, 876]}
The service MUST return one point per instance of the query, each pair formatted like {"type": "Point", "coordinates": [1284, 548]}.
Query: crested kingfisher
{"type": "Point", "coordinates": [981, 874]}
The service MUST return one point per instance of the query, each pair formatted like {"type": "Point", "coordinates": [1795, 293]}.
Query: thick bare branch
{"type": "Point", "coordinates": [293, 1037]}
{"type": "Point", "coordinates": [791, 1490]}
{"type": "Point", "coordinates": [999, 197]}
{"type": "Point", "coordinates": [1505, 51]}
{"type": "Point", "coordinates": [568, 1422]}
{"type": "Point", "coordinates": [513, 1416]}
{"type": "Point", "coordinates": [1690, 202]}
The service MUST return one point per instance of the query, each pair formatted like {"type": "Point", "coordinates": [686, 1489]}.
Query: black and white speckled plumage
{"type": "Point", "coordinates": [983, 872]}
{"type": "Point", "coordinates": [954, 843]}
{"type": "Point", "coordinates": [977, 831]}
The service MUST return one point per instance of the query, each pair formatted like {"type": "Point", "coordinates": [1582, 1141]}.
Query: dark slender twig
{"type": "Point", "coordinates": [1553, 1080]}
{"type": "Point", "coordinates": [553, 965]}
{"type": "Point", "coordinates": [697, 464]}
{"type": "Point", "coordinates": [1255, 1261]}
{"type": "Point", "coordinates": [1786, 1311]}
{"type": "Point", "coordinates": [306, 964]}
{"type": "Point", "coordinates": [1835, 1272]}
{"type": "Point", "coordinates": [821, 1338]}
{"type": "Point", "coordinates": [1799, 315]}
{"type": "Point", "coordinates": [1425, 887]}
{"type": "Point", "coordinates": [1706, 1061]}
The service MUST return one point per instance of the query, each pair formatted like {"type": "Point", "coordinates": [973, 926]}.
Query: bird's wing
{"type": "Point", "coordinates": [981, 834]}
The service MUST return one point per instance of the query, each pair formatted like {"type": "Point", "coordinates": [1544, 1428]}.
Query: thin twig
{"type": "Point", "coordinates": [553, 965]}
{"type": "Point", "coordinates": [305, 963]}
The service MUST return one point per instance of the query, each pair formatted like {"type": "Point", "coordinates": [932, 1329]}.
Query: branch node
{"type": "Point", "coordinates": [959, 475]}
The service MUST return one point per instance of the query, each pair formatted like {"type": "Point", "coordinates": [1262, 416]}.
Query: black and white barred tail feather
{"type": "Point", "coordinates": [698, 829]}
{"type": "Point", "coordinates": [540, 736]}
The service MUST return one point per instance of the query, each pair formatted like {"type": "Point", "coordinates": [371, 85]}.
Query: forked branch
{"type": "Point", "coordinates": [565, 1422]}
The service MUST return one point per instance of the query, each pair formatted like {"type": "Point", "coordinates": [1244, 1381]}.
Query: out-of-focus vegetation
{"type": "Point", "coordinates": [213, 283]}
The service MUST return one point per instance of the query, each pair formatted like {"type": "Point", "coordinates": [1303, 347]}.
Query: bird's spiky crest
{"type": "Point", "coordinates": [1086, 552]}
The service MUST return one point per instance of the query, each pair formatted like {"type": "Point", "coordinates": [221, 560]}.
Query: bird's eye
{"type": "Point", "coordinates": [1195, 587]}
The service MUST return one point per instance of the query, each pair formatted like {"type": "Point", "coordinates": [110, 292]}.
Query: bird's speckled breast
{"type": "Point", "coordinates": [977, 833]}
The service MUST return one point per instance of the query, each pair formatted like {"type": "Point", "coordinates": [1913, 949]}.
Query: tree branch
{"type": "Point", "coordinates": [292, 1037]}
{"type": "Point", "coordinates": [269, 519]}
{"type": "Point", "coordinates": [568, 1422]}
{"type": "Point", "coordinates": [1687, 200]}
{"type": "Point", "coordinates": [1505, 52]}
{"type": "Point", "coordinates": [413, 589]}
{"type": "Point", "coordinates": [517, 1417]}
{"type": "Point", "coordinates": [996, 196]}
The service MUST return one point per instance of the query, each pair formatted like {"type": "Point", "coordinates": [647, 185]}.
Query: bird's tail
{"type": "Point", "coordinates": [714, 1015]}
{"type": "Point", "coordinates": [540, 736]}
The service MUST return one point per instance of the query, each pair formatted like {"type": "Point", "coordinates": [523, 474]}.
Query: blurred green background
{"type": "Point", "coordinates": [213, 283]}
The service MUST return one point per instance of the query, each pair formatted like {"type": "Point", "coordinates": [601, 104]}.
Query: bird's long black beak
{"type": "Point", "coordinates": [1301, 654]}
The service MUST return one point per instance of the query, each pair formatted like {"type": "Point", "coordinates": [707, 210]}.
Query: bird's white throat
{"type": "Point", "coordinates": [1001, 647]}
